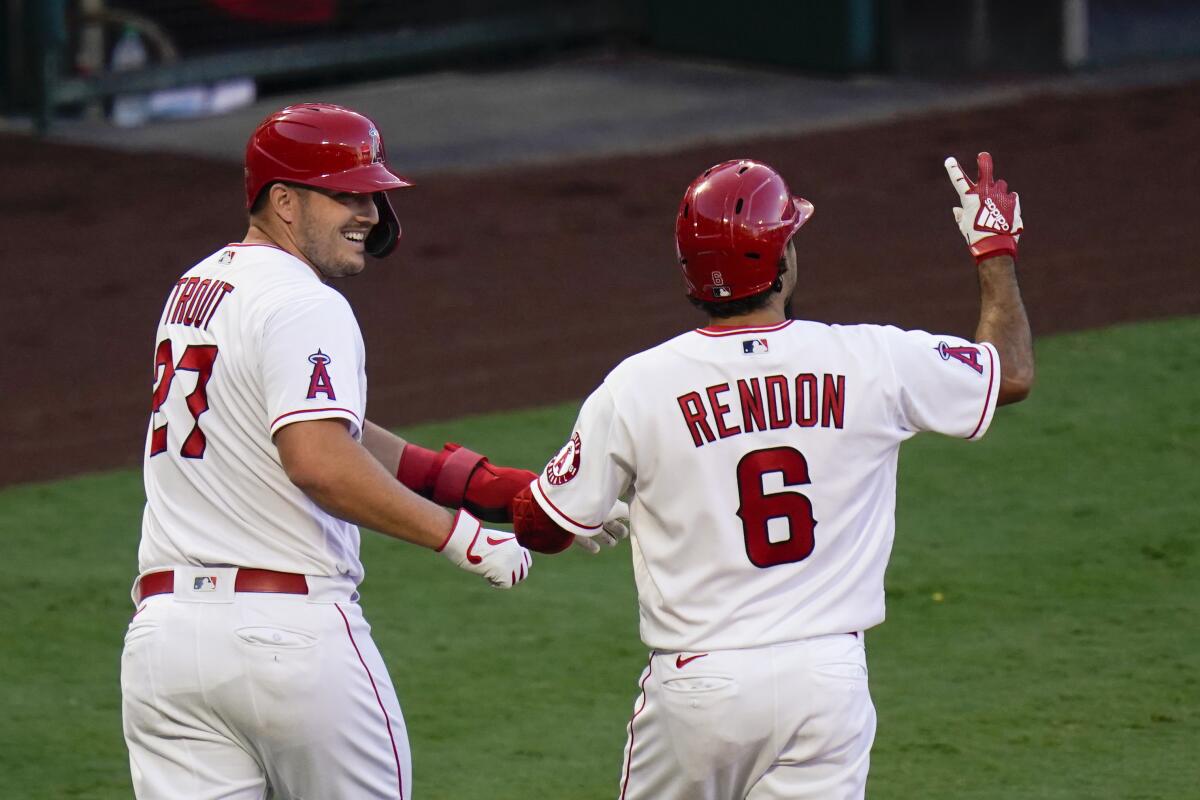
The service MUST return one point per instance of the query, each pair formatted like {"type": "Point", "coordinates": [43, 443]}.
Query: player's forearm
{"type": "Point", "coordinates": [383, 445]}
{"type": "Point", "coordinates": [1004, 323]}
{"type": "Point", "coordinates": [343, 478]}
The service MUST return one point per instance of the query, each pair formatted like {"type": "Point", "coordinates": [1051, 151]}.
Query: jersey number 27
{"type": "Point", "coordinates": [200, 359]}
{"type": "Point", "coordinates": [757, 508]}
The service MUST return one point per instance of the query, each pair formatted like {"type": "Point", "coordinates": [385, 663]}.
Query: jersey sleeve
{"type": "Point", "coordinates": [313, 362]}
{"type": "Point", "coordinates": [944, 383]}
{"type": "Point", "coordinates": [580, 484]}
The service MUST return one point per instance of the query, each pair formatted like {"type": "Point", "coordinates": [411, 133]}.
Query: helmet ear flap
{"type": "Point", "coordinates": [383, 237]}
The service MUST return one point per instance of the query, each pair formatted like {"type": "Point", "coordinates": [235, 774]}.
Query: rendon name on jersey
{"type": "Point", "coordinates": [762, 464]}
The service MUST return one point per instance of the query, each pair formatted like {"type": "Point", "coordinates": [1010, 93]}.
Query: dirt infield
{"type": "Point", "coordinates": [524, 286]}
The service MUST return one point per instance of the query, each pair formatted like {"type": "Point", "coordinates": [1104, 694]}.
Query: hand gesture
{"type": "Point", "coordinates": [614, 529]}
{"type": "Point", "coordinates": [493, 554]}
{"type": "Point", "coordinates": [990, 215]}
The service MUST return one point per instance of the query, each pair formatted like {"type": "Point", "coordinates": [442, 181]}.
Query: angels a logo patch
{"type": "Point", "coordinates": [565, 465]}
{"type": "Point", "coordinates": [319, 382]}
{"type": "Point", "coordinates": [967, 355]}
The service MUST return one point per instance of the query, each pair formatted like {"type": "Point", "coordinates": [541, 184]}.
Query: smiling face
{"type": "Point", "coordinates": [330, 229]}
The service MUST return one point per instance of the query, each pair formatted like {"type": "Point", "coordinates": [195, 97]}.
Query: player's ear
{"type": "Point", "coordinates": [283, 200]}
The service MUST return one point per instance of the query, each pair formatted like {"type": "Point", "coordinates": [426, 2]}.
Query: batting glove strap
{"type": "Point", "coordinates": [496, 555]}
{"type": "Point", "coordinates": [994, 246]}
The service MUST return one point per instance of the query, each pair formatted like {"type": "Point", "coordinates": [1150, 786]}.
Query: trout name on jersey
{"type": "Point", "coordinates": [195, 300]}
{"type": "Point", "coordinates": [760, 403]}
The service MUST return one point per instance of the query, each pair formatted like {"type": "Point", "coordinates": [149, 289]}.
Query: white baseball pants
{"type": "Point", "coordinates": [783, 722]}
{"type": "Point", "coordinates": [247, 696]}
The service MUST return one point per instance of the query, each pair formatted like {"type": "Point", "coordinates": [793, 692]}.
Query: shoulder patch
{"type": "Point", "coordinates": [320, 382]}
{"type": "Point", "coordinates": [565, 466]}
{"type": "Point", "coordinates": [967, 355]}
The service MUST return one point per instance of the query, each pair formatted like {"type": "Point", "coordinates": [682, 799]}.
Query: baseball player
{"type": "Point", "coordinates": [248, 668]}
{"type": "Point", "coordinates": [761, 455]}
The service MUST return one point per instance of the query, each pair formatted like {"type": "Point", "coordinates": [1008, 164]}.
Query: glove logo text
{"type": "Point", "coordinates": [990, 217]}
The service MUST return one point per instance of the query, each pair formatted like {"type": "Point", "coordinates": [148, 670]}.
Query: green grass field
{"type": "Point", "coordinates": [1043, 638]}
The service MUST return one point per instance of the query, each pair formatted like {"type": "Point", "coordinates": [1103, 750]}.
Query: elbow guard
{"type": "Point", "coordinates": [534, 528]}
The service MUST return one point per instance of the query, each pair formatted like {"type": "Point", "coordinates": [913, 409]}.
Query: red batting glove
{"type": "Point", "coordinates": [990, 216]}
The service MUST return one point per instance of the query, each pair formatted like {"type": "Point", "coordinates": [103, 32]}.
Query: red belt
{"type": "Point", "coordinates": [248, 580]}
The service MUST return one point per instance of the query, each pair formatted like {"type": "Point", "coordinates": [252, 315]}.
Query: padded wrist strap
{"type": "Point", "coordinates": [450, 483]}
{"type": "Point", "coordinates": [417, 469]}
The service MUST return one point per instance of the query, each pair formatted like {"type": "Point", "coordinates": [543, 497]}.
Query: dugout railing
{"type": "Point", "coordinates": [47, 40]}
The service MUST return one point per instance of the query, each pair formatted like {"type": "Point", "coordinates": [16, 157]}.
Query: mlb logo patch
{"type": "Point", "coordinates": [227, 257]}
{"type": "Point", "coordinates": [207, 583]}
{"type": "Point", "coordinates": [750, 346]}
{"type": "Point", "coordinates": [721, 291]}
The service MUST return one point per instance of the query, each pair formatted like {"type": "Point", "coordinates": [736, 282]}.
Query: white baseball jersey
{"type": "Point", "coordinates": [250, 340]}
{"type": "Point", "coordinates": [763, 466]}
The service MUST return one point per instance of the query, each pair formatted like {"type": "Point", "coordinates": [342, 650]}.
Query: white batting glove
{"type": "Point", "coordinates": [614, 529]}
{"type": "Point", "coordinates": [493, 554]}
{"type": "Point", "coordinates": [990, 216]}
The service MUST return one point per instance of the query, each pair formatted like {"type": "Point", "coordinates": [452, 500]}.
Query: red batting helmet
{"type": "Point", "coordinates": [327, 147]}
{"type": "Point", "coordinates": [733, 226]}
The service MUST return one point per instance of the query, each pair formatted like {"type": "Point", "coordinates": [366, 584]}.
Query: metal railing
{"type": "Point", "coordinates": [327, 56]}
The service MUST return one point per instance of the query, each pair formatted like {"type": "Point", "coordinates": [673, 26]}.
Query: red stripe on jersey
{"type": "Point", "coordinates": [567, 517]}
{"type": "Point", "coordinates": [722, 330]}
{"type": "Point", "coordinates": [629, 760]}
{"type": "Point", "coordinates": [386, 718]}
{"type": "Point", "coordinates": [987, 398]}
{"type": "Point", "coordinates": [312, 411]}
{"type": "Point", "coordinates": [256, 244]}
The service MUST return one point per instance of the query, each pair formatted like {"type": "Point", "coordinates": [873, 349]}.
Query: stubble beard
{"type": "Point", "coordinates": [322, 253]}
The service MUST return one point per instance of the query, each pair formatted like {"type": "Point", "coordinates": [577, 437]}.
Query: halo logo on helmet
{"type": "Point", "coordinates": [326, 147]}
{"type": "Point", "coordinates": [733, 226]}
{"type": "Point", "coordinates": [373, 154]}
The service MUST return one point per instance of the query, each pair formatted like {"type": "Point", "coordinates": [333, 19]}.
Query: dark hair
{"type": "Point", "coordinates": [743, 305]}
{"type": "Point", "coordinates": [260, 202]}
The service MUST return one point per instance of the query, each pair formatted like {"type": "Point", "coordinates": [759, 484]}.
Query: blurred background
{"type": "Point", "coordinates": [1042, 605]}
{"type": "Point", "coordinates": [73, 57]}
{"type": "Point", "coordinates": [550, 141]}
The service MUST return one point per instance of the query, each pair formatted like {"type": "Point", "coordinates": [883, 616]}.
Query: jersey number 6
{"type": "Point", "coordinates": [200, 359]}
{"type": "Point", "coordinates": [757, 508]}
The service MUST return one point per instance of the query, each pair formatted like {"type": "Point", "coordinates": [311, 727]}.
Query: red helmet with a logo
{"type": "Point", "coordinates": [327, 147]}
{"type": "Point", "coordinates": [733, 227]}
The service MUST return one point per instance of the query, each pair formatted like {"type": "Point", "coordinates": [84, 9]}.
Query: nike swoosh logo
{"type": "Point", "coordinates": [474, 559]}
{"type": "Point", "coordinates": [493, 541]}
{"type": "Point", "coordinates": [681, 662]}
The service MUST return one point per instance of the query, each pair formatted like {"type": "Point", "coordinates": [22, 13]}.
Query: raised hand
{"type": "Point", "coordinates": [990, 215]}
